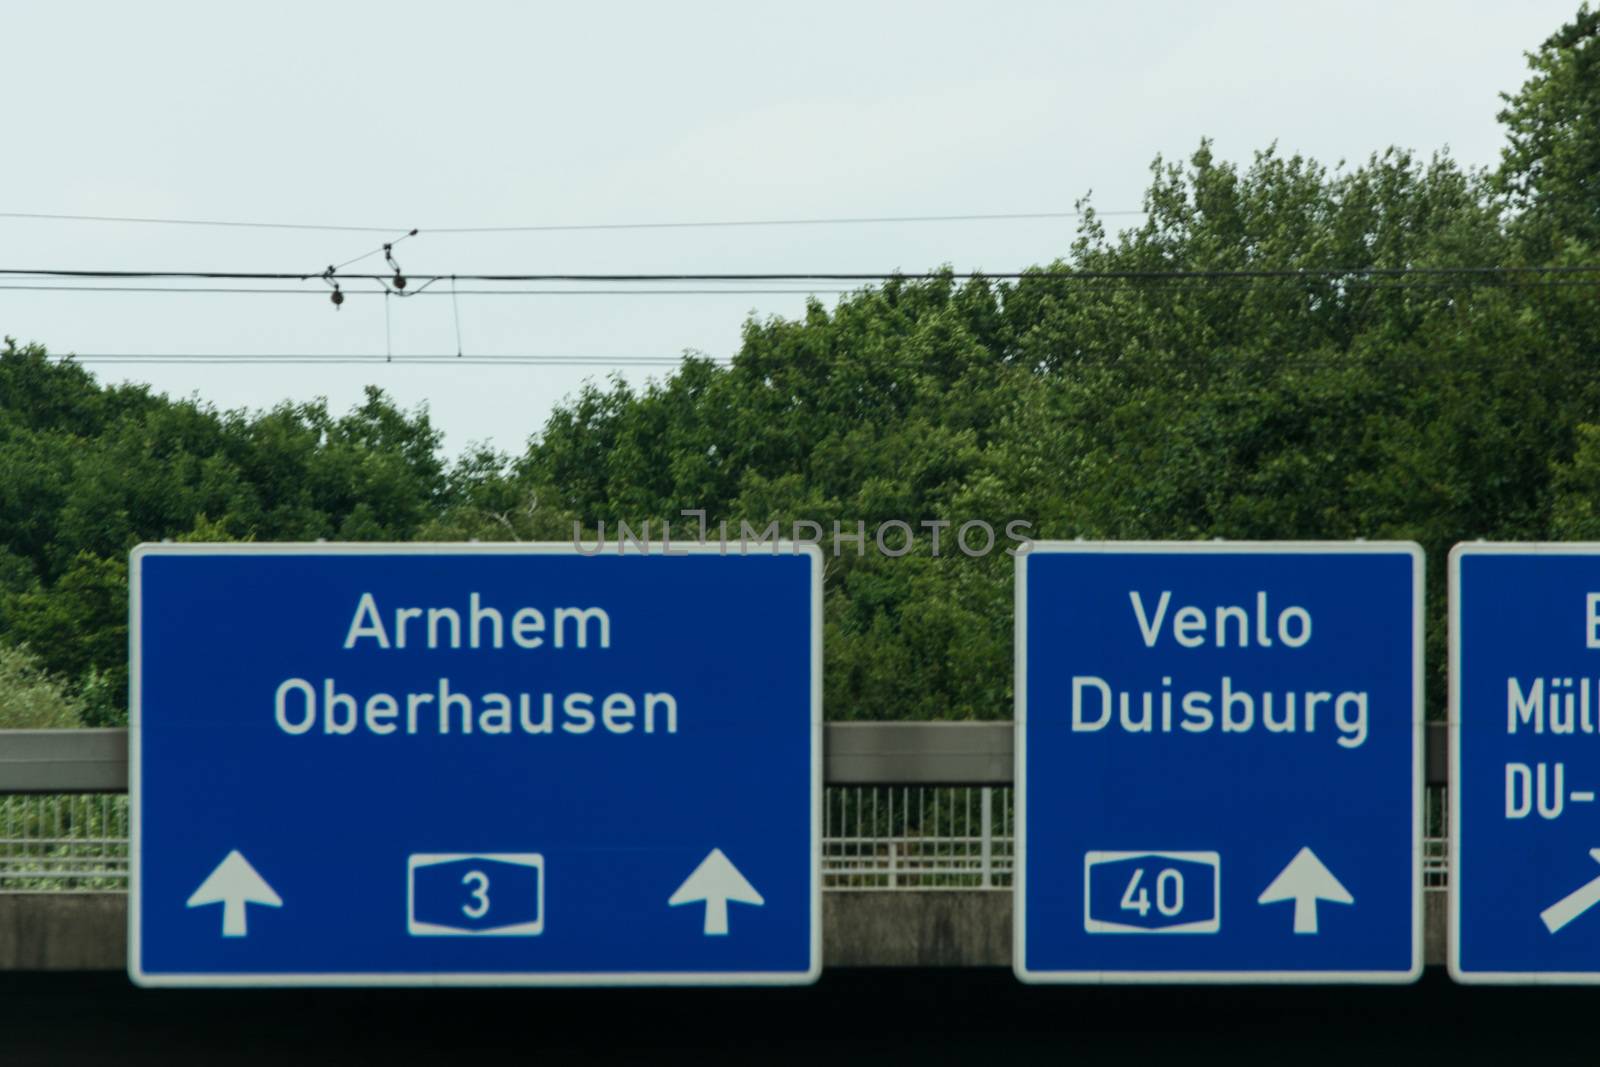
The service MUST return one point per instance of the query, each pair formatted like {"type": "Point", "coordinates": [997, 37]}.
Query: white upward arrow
{"type": "Point", "coordinates": [1573, 904]}
{"type": "Point", "coordinates": [233, 885]}
{"type": "Point", "coordinates": [1305, 881]}
{"type": "Point", "coordinates": [716, 881]}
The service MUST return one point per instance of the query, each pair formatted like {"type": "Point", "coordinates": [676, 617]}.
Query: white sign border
{"type": "Point", "coordinates": [1453, 948]}
{"type": "Point", "coordinates": [144, 979]}
{"type": "Point", "coordinates": [1019, 926]}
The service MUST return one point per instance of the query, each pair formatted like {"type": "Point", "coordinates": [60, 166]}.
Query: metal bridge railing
{"type": "Point", "coordinates": [1435, 840]}
{"type": "Point", "coordinates": [63, 844]}
{"type": "Point", "coordinates": [64, 812]}
{"type": "Point", "coordinates": [874, 838]}
{"type": "Point", "coordinates": [918, 837]}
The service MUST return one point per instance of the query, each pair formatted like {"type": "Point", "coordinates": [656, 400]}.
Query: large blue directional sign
{"type": "Point", "coordinates": [1525, 763]}
{"type": "Point", "coordinates": [1219, 762]}
{"type": "Point", "coordinates": [474, 764]}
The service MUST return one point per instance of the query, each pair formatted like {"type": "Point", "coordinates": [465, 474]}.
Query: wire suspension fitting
{"type": "Point", "coordinates": [337, 296]}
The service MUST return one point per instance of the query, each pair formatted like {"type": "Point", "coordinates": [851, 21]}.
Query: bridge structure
{"type": "Point", "coordinates": [918, 846]}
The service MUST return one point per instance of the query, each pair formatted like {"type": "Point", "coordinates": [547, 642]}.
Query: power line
{"type": "Point", "coordinates": [1165, 362]}
{"type": "Point", "coordinates": [40, 216]}
{"type": "Point", "coordinates": [1012, 216]}
{"type": "Point", "coordinates": [1444, 284]}
{"type": "Point", "coordinates": [578, 227]}
{"type": "Point", "coordinates": [1302, 273]}
{"type": "Point", "coordinates": [179, 289]}
{"type": "Point", "coordinates": [382, 249]}
{"type": "Point", "coordinates": [510, 360]}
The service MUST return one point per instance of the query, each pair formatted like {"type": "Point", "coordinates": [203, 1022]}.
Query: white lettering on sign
{"type": "Point", "coordinates": [299, 704]}
{"type": "Point", "coordinates": [1228, 625]}
{"type": "Point", "coordinates": [1561, 704]}
{"type": "Point", "coordinates": [1556, 703]}
{"type": "Point", "coordinates": [1096, 705]}
{"type": "Point", "coordinates": [1226, 707]}
{"type": "Point", "coordinates": [482, 627]}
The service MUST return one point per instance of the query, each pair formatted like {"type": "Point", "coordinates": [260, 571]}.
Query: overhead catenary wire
{"type": "Point", "coordinates": [336, 359]}
{"type": "Point", "coordinates": [1586, 278]}
{"type": "Point", "coordinates": [282, 291]}
{"type": "Point", "coordinates": [1167, 362]}
{"type": "Point", "coordinates": [382, 249]}
{"type": "Point", "coordinates": [579, 227]}
{"type": "Point", "coordinates": [1035, 274]}
{"type": "Point", "coordinates": [1117, 284]}
{"type": "Point", "coordinates": [1371, 278]}
{"type": "Point", "coordinates": [857, 220]}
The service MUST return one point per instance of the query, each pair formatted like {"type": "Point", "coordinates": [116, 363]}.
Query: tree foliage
{"type": "Point", "coordinates": [1550, 167]}
{"type": "Point", "coordinates": [88, 472]}
{"type": "Point", "coordinates": [30, 699]}
{"type": "Point", "coordinates": [1279, 350]}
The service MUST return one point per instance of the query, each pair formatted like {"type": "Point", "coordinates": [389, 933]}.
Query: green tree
{"type": "Point", "coordinates": [1279, 350]}
{"type": "Point", "coordinates": [1550, 166]}
{"type": "Point", "coordinates": [78, 629]}
{"type": "Point", "coordinates": [30, 699]}
{"type": "Point", "coordinates": [87, 472]}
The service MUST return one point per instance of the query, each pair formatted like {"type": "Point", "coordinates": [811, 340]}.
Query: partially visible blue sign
{"type": "Point", "coordinates": [1525, 763]}
{"type": "Point", "coordinates": [1219, 762]}
{"type": "Point", "coordinates": [474, 764]}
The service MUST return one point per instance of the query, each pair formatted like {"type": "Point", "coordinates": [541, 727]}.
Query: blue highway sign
{"type": "Point", "coordinates": [1219, 762]}
{"type": "Point", "coordinates": [474, 764]}
{"type": "Point", "coordinates": [1525, 763]}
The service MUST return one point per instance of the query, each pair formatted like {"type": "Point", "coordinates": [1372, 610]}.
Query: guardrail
{"type": "Point", "coordinates": [909, 806]}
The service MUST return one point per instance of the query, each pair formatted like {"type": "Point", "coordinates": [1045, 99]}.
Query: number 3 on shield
{"type": "Point", "coordinates": [478, 907]}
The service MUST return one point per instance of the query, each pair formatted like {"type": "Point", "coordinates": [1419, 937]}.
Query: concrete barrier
{"type": "Point", "coordinates": [937, 928]}
{"type": "Point", "coordinates": [63, 931]}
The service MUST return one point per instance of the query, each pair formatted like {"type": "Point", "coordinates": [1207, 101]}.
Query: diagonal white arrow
{"type": "Point", "coordinates": [1573, 904]}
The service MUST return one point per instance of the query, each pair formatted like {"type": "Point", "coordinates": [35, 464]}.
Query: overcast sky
{"type": "Point", "coordinates": [488, 114]}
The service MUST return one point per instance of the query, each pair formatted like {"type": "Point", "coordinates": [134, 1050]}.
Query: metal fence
{"type": "Point", "coordinates": [874, 838]}
{"type": "Point", "coordinates": [1436, 840]}
{"type": "Point", "coordinates": [63, 844]}
{"type": "Point", "coordinates": [918, 837]}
